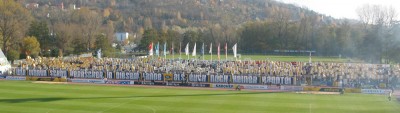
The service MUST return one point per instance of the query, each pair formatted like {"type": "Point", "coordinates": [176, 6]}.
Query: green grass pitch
{"type": "Point", "coordinates": [28, 97]}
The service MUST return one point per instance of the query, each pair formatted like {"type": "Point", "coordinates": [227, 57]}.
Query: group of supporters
{"type": "Point", "coordinates": [354, 73]}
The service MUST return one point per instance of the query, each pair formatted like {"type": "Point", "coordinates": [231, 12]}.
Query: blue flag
{"type": "Point", "coordinates": [157, 49]}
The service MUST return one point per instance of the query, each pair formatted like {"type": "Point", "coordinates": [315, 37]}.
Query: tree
{"type": "Point", "coordinates": [41, 32]}
{"type": "Point", "coordinates": [30, 46]}
{"type": "Point", "coordinates": [89, 22]}
{"type": "Point", "coordinates": [105, 46]}
{"type": "Point", "coordinates": [149, 36]}
{"type": "Point", "coordinates": [13, 21]}
{"type": "Point", "coordinates": [64, 37]}
{"type": "Point", "coordinates": [378, 22]}
{"type": "Point", "coordinates": [13, 55]}
{"type": "Point", "coordinates": [280, 20]}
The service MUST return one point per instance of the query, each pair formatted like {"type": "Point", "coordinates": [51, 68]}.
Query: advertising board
{"type": "Point", "coordinates": [257, 87]}
{"type": "Point", "coordinates": [375, 91]}
{"type": "Point", "coordinates": [53, 79]}
{"type": "Point", "coordinates": [95, 81]}
{"type": "Point", "coordinates": [15, 78]}
{"type": "Point", "coordinates": [223, 85]}
{"type": "Point", "coordinates": [121, 82]}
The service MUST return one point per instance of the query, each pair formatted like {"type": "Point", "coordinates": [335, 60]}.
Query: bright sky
{"type": "Point", "coordinates": [342, 8]}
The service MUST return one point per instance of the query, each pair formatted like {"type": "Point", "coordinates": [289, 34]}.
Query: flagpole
{"type": "Point", "coordinates": [226, 51]}
{"type": "Point", "coordinates": [173, 55]}
{"type": "Point", "coordinates": [203, 51]}
{"type": "Point", "coordinates": [180, 50]}
{"type": "Point", "coordinates": [165, 50]}
{"type": "Point", "coordinates": [211, 51]}
{"type": "Point", "coordinates": [211, 56]}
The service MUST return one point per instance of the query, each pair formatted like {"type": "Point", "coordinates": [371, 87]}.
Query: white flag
{"type": "Point", "coordinates": [210, 49]}
{"type": "Point", "coordinates": [234, 48]}
{"type": "Point", "coordinates": [194, 50]}
{"type": "Point", "coordinates": [187, 49]}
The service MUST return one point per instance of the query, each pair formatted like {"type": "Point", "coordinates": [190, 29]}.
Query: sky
{"type": "Point", "coordinates": [342, 8]}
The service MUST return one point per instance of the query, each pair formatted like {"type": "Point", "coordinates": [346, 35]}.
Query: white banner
{"type": "Point", "coordinates": [261, 87]}
{"type": "Point", "coordinates": [219, 78]}
{"type": "Point", "coordinates": [127, 75]}
{"type": "Point", "coordinates": [179, 77]}
{"type": "Point", "coordinates": [20, 72]}
{"type": "Point", "coordinates": [15, 78]}
{"type": "Point", "coordinates": [245, 79]}
{"type": "Point", "coordinates": [153, 76]}
{"type": "Point", "coordinates": [37, 73]}
{"type": "Point", "coordinates": [276, 80]}
{"type": "Point", "coordinates": [96, 81]}
{"type": "Point", "coordinates": [197, 78]}
{"type": "Point", "coordinates": [223, 85]}
{"type": "Point", "coordinates": [375, 91]}
{"type": "Point", "coordinates": [58, 73]}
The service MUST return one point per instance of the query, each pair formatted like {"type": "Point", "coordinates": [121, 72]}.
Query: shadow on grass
{"type": "Point", "coordinates": [50, 99]}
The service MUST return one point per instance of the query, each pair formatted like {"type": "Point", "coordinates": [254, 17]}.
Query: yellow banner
{"type": "Point", "coordinates": [46, 79]}
{"type": "Point", "coordinates": [168, 76]}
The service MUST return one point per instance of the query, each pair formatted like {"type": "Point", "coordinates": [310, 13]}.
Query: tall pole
{"type": "Point", "coordinates": [309, 61]}
{"type": "Point", "coordinates": [180, 50]}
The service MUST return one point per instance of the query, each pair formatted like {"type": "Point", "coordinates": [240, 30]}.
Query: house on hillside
{"type": "Point", "coordinates": [32, 6]}
{"type": "Point", "coordinates": [122, 36]}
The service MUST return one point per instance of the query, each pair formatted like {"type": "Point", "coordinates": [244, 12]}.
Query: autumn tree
{"type": "Point", "coordinates": [90, 23]}
{"type": "Point", "coordinates": [13, 21]}
{"type": "Point", "coordinates": [64, 37]}
{"type": "Point", "coordinates": [30, 46]}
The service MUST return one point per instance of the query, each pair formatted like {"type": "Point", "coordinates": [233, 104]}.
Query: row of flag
{"type": "Point", "coordinates": [157, 47]}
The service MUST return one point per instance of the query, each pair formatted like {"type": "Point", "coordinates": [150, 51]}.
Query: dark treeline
{"type": "Point", "coordinates": [64, 27]}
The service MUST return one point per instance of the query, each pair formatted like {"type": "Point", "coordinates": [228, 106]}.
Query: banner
{"type": "Point", "coordinates": [96, 81]}
{"type": "Point", "coordinates": [86, 74]}
{"type": "Point", "coordinates": [291, 88]}
{"type": "Point", "coordinates": [58, 73]}
{"type": "Point", "coordinates": [257, 87]}
{"type": "Point", "coordinates": [198, 78]}
{"type": "Point", "coordinates": [330, 89]}
{"type": "Point", "coordinates": [152, 76]}
{"type": "Point", "coordinates": [245, 79]}
{"type": "Point", "coordinates": [37, 73]}
{"type": "Point", "coordinates": [15, 78]}
{"type": "Point", "coordinates": [223, 85]}
{"type": "Point", "coordinates": [20, 72]}
{"type": "Point", "coordinates": [375, 91]}
{"type": "Point", "coordinates": [168, 76]}
{"type": "Point", "coordinates": [56, 79]}
{"type": "Point", "coordinates": [200, 85]}
{"type": "Point", "coordinates": [122, 82]}
{"type": "Point", "coordinates": [179, 77]}
{"type": "Point", "coordinates": [277, 80]}
{"type": "Point", "coordinates": [126, 75]}
{"type": "Point", "coordinates": [110, 75]}
{"type": "Point", "coordinates": [219, 78]}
